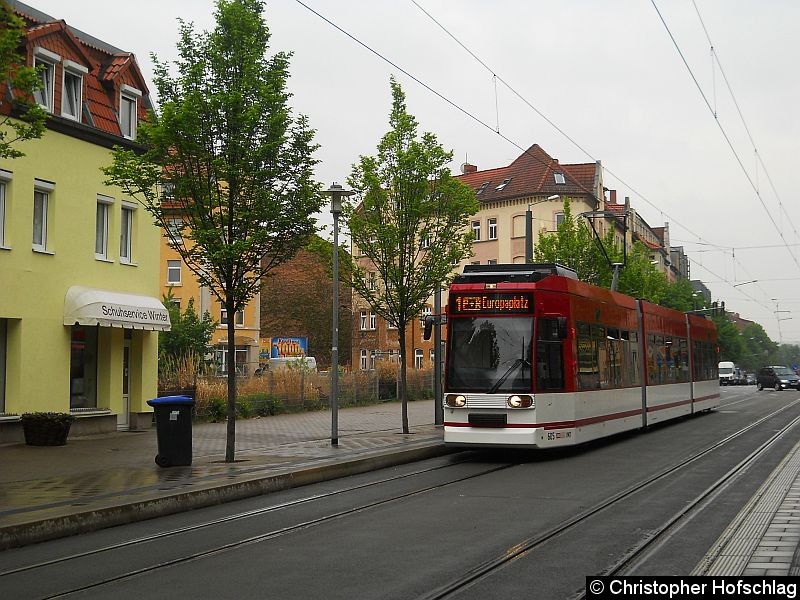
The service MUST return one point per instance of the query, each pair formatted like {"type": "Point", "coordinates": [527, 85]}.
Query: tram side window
{"type": "Point", "coordinates": [682, 360]}
{"type": "Point", "coordinates": [631, 344]}
{"type": "Point", "coordinates": [588, 368]}
{"type": "Point", "coordinates": [549, 356]}
{"type": "Point", "coordinates": [599, 339]}
{"type": "Point", "coordinates": [615, 357]}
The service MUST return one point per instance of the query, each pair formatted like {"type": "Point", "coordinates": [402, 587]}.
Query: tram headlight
{"type": "Point", "coordinates": [455, 400]}
{"type": "Point", "coordinates": [520, 401]}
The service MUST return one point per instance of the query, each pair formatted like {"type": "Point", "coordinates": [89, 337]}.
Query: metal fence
{"type": "Point", "coordinates": [288, 391]}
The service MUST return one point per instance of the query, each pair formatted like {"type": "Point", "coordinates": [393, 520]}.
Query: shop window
{"type": "Point", "coordinates": [83, 367]}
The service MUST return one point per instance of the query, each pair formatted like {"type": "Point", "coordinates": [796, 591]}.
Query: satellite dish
{"type": "Point", "coordinates": [462, 167]}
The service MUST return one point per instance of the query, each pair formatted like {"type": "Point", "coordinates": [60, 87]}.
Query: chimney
{"type": "Point", "coordinates": [467, 168]}
{"type": "Point", "coordinates": [612, 196]}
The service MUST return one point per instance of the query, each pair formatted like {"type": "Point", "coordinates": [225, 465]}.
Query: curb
{"type": "Point", "coordinates": [23, 534]}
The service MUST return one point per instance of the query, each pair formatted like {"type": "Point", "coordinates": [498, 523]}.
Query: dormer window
{"type": "Point", "coordinates": [128, 111]}
{"type": "Point", "coordinates": [502, 186]}
{"type": "Point", "coordinates": [481, 189]}
{"type": "Point", "coordinates": [44, 62]}
{"type": "Point", "coordinates": [72, 96]}
{"type": "Point", "coordinates": [559, 177]}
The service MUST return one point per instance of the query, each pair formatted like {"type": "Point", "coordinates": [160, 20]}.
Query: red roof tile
{"type": "Point", "coordinates": [532, 173]}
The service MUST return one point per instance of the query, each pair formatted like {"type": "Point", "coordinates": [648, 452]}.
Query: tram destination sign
{"type": "Point", "coordinates": [503, 303]}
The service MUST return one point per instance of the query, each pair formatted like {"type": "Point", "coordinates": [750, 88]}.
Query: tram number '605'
{"type": "Point", "coordinates": [558, 435]}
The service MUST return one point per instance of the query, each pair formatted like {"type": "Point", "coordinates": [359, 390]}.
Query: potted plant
{"type": "Point", "coordinates": [46, 428]}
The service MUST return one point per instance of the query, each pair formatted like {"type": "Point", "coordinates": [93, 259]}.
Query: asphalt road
{"type": "Point", "coordinates": [408, 531]}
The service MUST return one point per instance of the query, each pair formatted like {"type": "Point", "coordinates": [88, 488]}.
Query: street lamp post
{"type": "Point", "coordinates": [529, 228]}
{"type": "Point", "coordinates": [336, 192]}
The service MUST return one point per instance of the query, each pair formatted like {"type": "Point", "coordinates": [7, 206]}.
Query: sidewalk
{"type": "Point", "coordinates": [111, 479]}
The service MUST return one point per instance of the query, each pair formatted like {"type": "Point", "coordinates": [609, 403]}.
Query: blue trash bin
{"type": "Point", "coordinates": [173, 430]}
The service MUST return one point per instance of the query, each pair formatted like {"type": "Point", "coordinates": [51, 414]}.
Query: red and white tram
{"type": "Point", "coordinates": [537, 359]}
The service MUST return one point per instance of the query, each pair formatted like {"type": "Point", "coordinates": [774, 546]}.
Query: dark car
{"type": "Point", "coordinates": [778, 378]}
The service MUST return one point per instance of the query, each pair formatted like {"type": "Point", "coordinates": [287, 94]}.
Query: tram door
{"type": "Point", "coordinates": [550, 353]}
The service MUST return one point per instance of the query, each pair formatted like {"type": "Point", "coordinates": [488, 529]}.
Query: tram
{"type": "Point", "coordinates": [536, 358]}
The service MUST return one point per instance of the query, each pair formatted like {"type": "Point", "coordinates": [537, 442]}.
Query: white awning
{"type": "Point", "coordinates": [90, 306]}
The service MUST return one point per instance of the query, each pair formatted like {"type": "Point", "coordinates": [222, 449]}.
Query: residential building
{"type": "Point", "coordinates": [180, 285]}
{"type": "Point", "coordinates": [79, 307]}
{"type": "Point", "coordinates": [535, 180]}
{"type": "Point", "coordinates": [296, 301]}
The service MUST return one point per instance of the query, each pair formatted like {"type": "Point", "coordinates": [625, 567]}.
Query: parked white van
{"type": "Point", "coordinates": [726, 372]}
{"type": "Point", "coordinates": [307, 363]}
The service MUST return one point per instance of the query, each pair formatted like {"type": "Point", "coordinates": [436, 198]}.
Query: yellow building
{"type": "Point", "coordinates": [179, 282]}
{"type": "Point", "coordinates": [79, 289]}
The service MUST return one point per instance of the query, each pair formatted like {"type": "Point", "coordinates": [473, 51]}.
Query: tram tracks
{"type": "Point", "coordinates": [274, 533]}
{"type": "Point", "coordinates": [478, 573]}
{"type": "Point", "coordinates": [639, 552]}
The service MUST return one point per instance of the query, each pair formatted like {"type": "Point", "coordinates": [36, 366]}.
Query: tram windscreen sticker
{"type": "Point", "coordinates": [505, 303]}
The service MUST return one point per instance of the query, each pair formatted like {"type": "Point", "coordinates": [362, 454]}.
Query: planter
{"type": "Point", "coordinates": [46, 428]}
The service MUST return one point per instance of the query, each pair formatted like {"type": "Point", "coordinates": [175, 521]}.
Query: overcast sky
{"type": "Point", "coordinates": [605, 72]}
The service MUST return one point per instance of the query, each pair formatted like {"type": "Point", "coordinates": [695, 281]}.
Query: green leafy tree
{"type": "Point", "coordinates": [409, 222]}
{"type": "Point", "coordinates": [573, 245]}
{"type": "Point", "coordinates": [237, 165]}
{"type": "Point", "coordinates": [189, 335]}
{"type": "Point", "coordinates": [758, 348]}
{"type": "Point", "coordinates": [22, 118]}
{"type": "Point", "coordinates": [640, 279]}
{"type": "Point", "coordinates": [730, 342]}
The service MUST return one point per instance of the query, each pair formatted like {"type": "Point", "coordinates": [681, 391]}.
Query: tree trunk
{"type": "Point", "coordinates": [402, 381]}
{"type": "Point", "coordinates": [230, 438]}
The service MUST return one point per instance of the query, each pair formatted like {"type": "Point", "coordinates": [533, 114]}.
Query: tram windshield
{"type": "Point", "coordinates": [490, 354]}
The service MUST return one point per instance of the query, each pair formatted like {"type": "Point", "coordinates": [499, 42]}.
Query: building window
{"type": "Point", "coordinates": [3, 346]}
{"type": "Point", "coordinates": [481, 189]}
{"type": "Point", "coordinates": [491, 261]}
{"type": "Point", "coordinates": [126, 235]}
{"type": "Point", "coordinates": [128, 113]}
{"type": "Point", "coordinates": [45, 63]}
{"type": "Point", "coordinates": [433, 358]}
{"type": "Point", "coordinates": [41, 214]}
{"type": "Point", "coordinates": [363, 360]}
{"type": "Point", "coordinates": [373, 281]}
{"type": "Point", "coordinates": [373, 320]}
{"type": "Point", "coordinates": [425, 241]}
{"type": "Point", "coordinates": [240, 359]}
{"type": "Point", "coordinates": [372, 354]}
{"type": "Point", "coordinates": [173, 272]}
{"type": "Point", "coordinates": [363, 320]}
{"type": "Point", "coordinates": [223, 317]}
{"type": "Point", "coordinates": [476, 231]}
{"type": "Point", "coordinates": [559, 219]}
{"type": "Point", "coordinates": [72, 94]}
{"type": "Point", "coordinates": [101, 230]}
{"type": "Point", "coordinates": [418, 356]}
{"type": "Point", "coordinates": [175, 230]}
{"type": "Point", "coordinates": [503, 185]}
{"type": "Point", "coordinates": [83, 367]}
{"type": "Point", "coordinates": [492, 229]}
{"type": "Point", "coordinates": [559, 178]}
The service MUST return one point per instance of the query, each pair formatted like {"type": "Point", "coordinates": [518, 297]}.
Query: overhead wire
{"type": "Point", "coordinates": [715, 58]}
{"type": "Point", "coordinates": [484, 124]}
{"type": "Point", "coordinates": [724, 133]}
